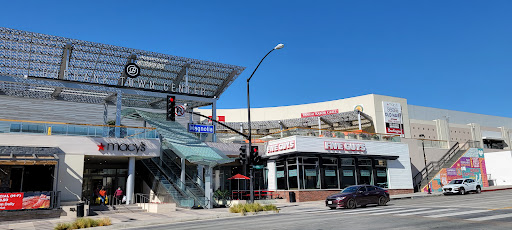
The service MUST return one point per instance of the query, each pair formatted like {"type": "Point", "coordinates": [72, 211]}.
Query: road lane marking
{"type": "Point", "coordinates": [500, 208]}
{"type": "Point", "coordinates": [399, 211]}
{"type": "Point", "coordinates": [422, 212]}
{"type": "Point", "coordinates": [365, 212]}
{"type": "Point", "coordinates": [491, 217]}
{"type": "Point", "coordinates": [458, 213]}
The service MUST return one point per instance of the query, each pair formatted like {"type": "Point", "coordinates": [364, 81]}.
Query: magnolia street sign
{"type": "Point", "coordinates": [193, 128]}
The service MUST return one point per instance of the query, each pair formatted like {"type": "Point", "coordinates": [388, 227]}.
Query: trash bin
{"type": "Point", "coordinates": [80, 209]}
{"type": "Point", "coordinates": [291, 195]}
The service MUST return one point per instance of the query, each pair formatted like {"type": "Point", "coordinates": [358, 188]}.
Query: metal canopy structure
{"type": "Point", "coordinates": [50, 67]}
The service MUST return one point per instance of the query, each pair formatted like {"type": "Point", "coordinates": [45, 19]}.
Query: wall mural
{"type": "Point", "coordinates": [470, 166]}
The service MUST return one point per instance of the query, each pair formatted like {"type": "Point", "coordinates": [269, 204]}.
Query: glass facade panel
{"type": "Point", "coordinates": [347, 176]}
{"type": "Point", "coordinates": [292, 177]}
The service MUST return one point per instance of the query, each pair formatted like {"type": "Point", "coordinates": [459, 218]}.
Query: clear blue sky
{"type": "Point", "coordinates": [444, 54]}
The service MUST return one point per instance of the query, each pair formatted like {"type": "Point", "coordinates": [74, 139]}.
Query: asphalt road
{"type": "Point", "coordinates": [490, 210]}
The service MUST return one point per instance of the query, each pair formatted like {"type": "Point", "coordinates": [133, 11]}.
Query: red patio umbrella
{"type": "Point", "coordinates": [239, 177]}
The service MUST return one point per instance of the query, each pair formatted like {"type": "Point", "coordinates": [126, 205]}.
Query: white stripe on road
{"type": "Point", "coordinates": [422, 212]}
{"type": "Point", "coordinates": [371, 211]}
{"type": "Point", "coordinates": [458, 213]}
{"type": "Point", "coordinates": [399, 211]}
{"type": "Point", "coordinates": [491, 217]}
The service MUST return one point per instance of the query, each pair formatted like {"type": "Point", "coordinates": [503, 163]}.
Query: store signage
{"type": "Point", "coordinates": [365, 173]}
{"type": "Point", "coordinates": [348, 173]}
{"type": "Point", "coordinates": [319, 113]}
{"type": "Point", "coordinates": [288, 145]}
{"type": "Point", "coordinates": [381, 173]}
{"type": "Point", "coordinates": [122, 147]}
{"type": "Point", "coordinates": [132, 70]}
{"type": "Point", "coordinates": [310, 172]}
{"type": "Point", "coordinates": [280, 174]}
{"type": "Point", "coordinates": [193, 128]}
{"type": "Point", "coordinates": [292, 172]}
{"type": "Point", "coordinates": [393, 117]}
{"type": "Point", "coordinates": [27, 200]}
{"type": "Point", "coordinates": [344, 146]}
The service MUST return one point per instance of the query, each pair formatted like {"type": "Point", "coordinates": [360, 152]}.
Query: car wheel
{"type": "Point", "coordinates": [478, 190]}
{"type": "Point", "coordinates": [332, 207]}
{"type": "Point", "coordinates": [351, 204]}
{"type": "Point", "coordinates": [382, 201]}
{"type": "Point", "coordinates": [462, 191]}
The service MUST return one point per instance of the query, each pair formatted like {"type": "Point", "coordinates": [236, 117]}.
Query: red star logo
{"type": "Point", "coordinates": [101, 147]}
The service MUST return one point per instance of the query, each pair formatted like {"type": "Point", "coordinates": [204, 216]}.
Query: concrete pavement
{"type": "Point", "coordinates": [142, 219]}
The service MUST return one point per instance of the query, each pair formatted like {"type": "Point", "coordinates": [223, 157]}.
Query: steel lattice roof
{"type": "Point", "coordinates": [43, 57]}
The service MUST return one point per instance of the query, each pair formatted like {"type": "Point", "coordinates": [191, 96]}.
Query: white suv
{"type": "Point", "coordinates": [461, 186]}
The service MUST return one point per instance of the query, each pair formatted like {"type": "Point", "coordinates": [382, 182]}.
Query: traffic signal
{"type": "Point", "coordinates": [255, 157]}
{"type": "Point", "coordinates": [243, 154]}
{"type": "Point", "coordinates": [171, 105]}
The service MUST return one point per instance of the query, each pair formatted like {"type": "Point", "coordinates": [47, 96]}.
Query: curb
{"type": "Point", "coordinates": [496, 189]}
{"type": "Point", "coordinates": [414, 197]}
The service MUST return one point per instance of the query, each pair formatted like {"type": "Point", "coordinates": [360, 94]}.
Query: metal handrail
{"type": "Point", "coordinates": [437, 165]}
{"type": "Point", "coordinates": [154, 176]}
{"type": "Point", "coordinates": [186, 174]}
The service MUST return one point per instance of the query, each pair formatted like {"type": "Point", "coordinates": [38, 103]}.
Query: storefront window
{"type": "Point", "coordinates": [292, 177]}
{"type": "Point", "coordinates": [347, 172]}
{"type": "Point", "coordinates": [381, 171]}
{"type": "Point", "coordinates": [330, 173]}
{"type": "Point", "coordinates": [365, 171]}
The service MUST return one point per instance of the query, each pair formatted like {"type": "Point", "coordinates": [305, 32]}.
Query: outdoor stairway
{"type": "Point", "coordinates": [107, 209]}
{"type": "Point", "coordinates": [433, 168]}
{"type": "Point", "coordinates": [190, 182]}
{"type": "Point", "coordinates": [168, 183]}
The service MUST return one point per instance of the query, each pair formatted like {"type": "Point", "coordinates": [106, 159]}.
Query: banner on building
{"type": "Point", "coordinates": [27, 200]}
{"type": "Point", "coordinates": [393, 117]}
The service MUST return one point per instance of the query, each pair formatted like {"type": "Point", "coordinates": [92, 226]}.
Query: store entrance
{"type": "Point", "coordinates": [109, 173]}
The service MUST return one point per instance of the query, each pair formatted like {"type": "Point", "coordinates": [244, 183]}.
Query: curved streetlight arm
{"type": "Point", "coordinates": [248, 79]}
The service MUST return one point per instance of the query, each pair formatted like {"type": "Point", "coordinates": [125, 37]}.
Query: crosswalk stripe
{"type": "Point", "coordinates": [491, 217]}
{"type": "Point", "coordinates": [370, 211]}
{"type": "Point", "coordinates": [458, 213]}
{"type": "Point", "coordinates": [422, 212]}
{"type": "Point", "coordinates": [399, 211]}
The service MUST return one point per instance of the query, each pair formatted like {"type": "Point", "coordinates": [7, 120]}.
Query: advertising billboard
{"type": "Point", "coordinates": [393, 117]}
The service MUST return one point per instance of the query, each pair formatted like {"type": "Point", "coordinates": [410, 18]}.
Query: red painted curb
{"type": "Point", "coordinates": [496, 189]}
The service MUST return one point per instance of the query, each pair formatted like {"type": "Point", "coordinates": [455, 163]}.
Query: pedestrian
{"type": "Point", "coordinates": [103, 194]}
{"type": "Point", "coordinates": [118, 194]}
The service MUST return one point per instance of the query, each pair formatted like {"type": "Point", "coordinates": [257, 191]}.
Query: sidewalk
{"type": "Point", "coordinates": [127, 220]}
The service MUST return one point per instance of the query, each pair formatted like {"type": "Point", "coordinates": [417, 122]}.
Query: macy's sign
{"type": "Point", "coordinates": [122, 147]}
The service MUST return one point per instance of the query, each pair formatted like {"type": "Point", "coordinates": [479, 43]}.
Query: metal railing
{"type": "Point", "coordinates": [229, 137]}
{"type": "Point", "coordinates": [441, 163]}
{"type": "Point", "coordinates": [71, 129]}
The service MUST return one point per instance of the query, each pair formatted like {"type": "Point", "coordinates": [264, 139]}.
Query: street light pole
{"type": "Point", "coordinates": [251, 186]}
{"type": "Point", "coordinates": [425, 159]}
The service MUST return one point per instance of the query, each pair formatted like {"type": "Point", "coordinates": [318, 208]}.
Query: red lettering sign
{"type": "Point", "coordinates": [319, 113]}
{"type": "Point", "coordinates": [11, 201]}
{"type": "Point", "coordinates": [344, 146]}
{"type": "Point", "coordinates": [281, 146]}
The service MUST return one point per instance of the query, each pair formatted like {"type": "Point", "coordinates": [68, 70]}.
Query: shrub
{"type": "Point", "coordinates": [254, 207]}
{"type": "Point", "coordinates": [84, 223]}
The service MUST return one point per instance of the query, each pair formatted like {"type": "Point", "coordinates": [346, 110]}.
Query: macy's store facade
{"type": "Point", "coordinates": [314, 167]}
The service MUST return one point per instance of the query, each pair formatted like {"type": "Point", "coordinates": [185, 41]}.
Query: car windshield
{"type": "Point", "coordinates": [350, 189]}
{"type": "Point", "coordinates": [456, 182]}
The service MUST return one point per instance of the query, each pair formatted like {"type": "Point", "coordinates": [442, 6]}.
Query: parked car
{"type": "Point", "coordinates": [461, 186]}
{"type": "Point", "coordinates": [358, 195]}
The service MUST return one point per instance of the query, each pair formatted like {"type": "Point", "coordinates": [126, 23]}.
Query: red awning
{"type": "Point", "coordinates": [239, 177]}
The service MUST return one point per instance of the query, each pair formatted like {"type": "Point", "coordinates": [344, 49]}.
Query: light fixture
{"type": "Point", "coordinates": [279, 46]}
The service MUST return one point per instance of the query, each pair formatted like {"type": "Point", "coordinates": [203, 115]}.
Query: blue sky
{"type": "Point", "coordinates": [443, 54]}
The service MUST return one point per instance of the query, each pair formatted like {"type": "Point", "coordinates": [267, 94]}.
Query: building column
{"type": "Point", "coordinates": [217, 179]}
{"type": "Point", "coordinates": [200, 175]}
{"type": "Point", "coordinates": [476, 134]}
{"type": "Point", "coordinates": [183, 172]}
{"type": "Point", "coordinates": [505, 134]}
{"type": "Point", "coordinates": [208, 189]}
{"type": "Point", "coordinates": [214, 117]}
{"type": "Point", "coordinates": [272, 176]}
{"type": "Point", "coordinates": [443, 131]}
{"type": "Point", "coordinates": [130, 182]}
{"type": "Point", "coordinates": [119, 102]}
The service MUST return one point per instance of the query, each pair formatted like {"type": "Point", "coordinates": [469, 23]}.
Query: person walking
{"type": "Point", "coordinates": [119, 195]}
{"type": "Point", "coordinates": [103, 194]}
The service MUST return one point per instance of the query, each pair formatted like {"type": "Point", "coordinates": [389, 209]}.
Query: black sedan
{"type": "Point", "coordinates": [358, 195]}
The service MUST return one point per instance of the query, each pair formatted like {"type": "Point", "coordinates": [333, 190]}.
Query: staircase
{"type": "Point", "coordinates": [433, 168]}
{"type": "Point", "coordinates": [107, 209]}
{"type": "Point", "coordinates": [168, 182]}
